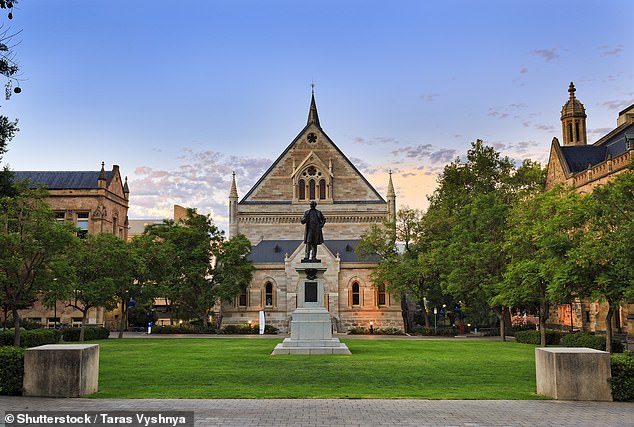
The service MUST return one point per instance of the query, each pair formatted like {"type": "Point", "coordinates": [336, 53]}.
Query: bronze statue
{"type": "Point", "coordinates": [313, 236]}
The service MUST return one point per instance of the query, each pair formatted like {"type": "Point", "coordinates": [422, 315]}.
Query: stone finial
{"type": "Point", "coordinates": [572, 90]}
{"type": "Point", "coordinates": [313, 117]}
{"type": "Point", "coordinates": [126, 189]}
{"type": "Point", "coordinates": [233, 193]}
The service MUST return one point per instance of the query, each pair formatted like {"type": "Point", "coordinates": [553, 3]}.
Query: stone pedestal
{"type": "Point", "coordinates": [61, 370]}
{"type": "Point", "coordinates": [566, 373]}
{"type": "Point", "coordinates": [311, 327]}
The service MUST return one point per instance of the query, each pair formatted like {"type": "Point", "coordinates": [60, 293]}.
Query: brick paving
{"type": "Point", "coordinates": [355, 412]}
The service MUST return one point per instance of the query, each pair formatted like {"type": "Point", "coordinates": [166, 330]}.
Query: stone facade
{"type": "Point", "coordinates": [96, 202]}
{"type": "Point", "coordinates": [584, 167]}
{"type": "Point", "coordinates": [311, 168]}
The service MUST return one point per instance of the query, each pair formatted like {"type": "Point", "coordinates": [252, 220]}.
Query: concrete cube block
{"type": "Point", "coordinates": [61, 370]}
{"type": "Point", "coordinates": [565, 373]}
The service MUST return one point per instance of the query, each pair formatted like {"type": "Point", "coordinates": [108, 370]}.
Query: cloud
{"type": "Point", "coordinates": [377, 140]}
{"type": "Point", "coordinates": [611, 51]}
{"type": "Point", "coordinates": [617, 104]}
{"type": "Point", "coordinates": [497, 114]}
{"type": "Point", "coordinates": [419, 151]}
{"type": "Point", "coordinates": [523, 70]}
{"type": "Point", "coordinates": [429, 97]}
{"type": "Point", "coordinates": [546, 54]}
{"type": "Point", "coordinates": [364, 167]}
{"type": "Point", "coordinates": [201, 181]}
{"type": "Point", "coordinates": [442, 156]}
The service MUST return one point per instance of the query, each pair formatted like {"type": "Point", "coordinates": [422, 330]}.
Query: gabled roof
{"type": "Point", "coordinates": [272, 251]}
{"type": "Point", "coordinates": [313, 119]}
{"type": "Point", "coordinates": [63, 179]}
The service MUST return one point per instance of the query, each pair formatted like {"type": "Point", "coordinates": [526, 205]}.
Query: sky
{"type": "Point", "coordinates": [181, 93]}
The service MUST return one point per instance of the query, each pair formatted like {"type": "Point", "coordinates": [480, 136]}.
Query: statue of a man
{"type": "Point", "coordinates": [314, 220]}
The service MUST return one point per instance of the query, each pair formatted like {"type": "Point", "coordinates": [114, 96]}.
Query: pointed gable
{"type": "Point", "coordinates": [312, 156]}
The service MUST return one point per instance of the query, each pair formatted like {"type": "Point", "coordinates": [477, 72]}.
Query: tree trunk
{"type": "Point", "coordinates": [426, 317]}
{"type": "Point", "coordinates": [82, 329]}
{"type": "Point", "coordinates": [544, 307]}
{"type": "Point", "coordinates": [16, 326]}
{"type": "Point", "coordinates": [500, 313]}
{"type": "Point", "coordinates": [407, 322]}
{"type": "Point", "coordinates": [219, 317]}
{"type": "Point", "coordinates": [608, 328]}
{"type": "Point", "coordinates": [124, 312]}
{"type": "Point", "coordinates": [205, 320]}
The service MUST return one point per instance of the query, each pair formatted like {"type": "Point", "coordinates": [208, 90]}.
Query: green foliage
{"type": "Point", "coordinates": [189, 279]}
{"type": "Point", "coordinates": [584, 339]}
{"type": "Point", "coordinates": [11, 370]}
{"type": "Point", "coordinates": [445, 332]}
{"type": "Point", "coordinates": [33, 249]}
{"type": "Point", "coordinates": [358, 330]}
{"type": "Point", "coordinates": [534, 337]}
{"type": "Point", "coordinates": [31, 338]}
{"type": "Point", "coordinates": [183, 329]}
{"type": "Point", "coordinates": [90, 334]}
{"type": "Point", "coordinates": [622, 381]}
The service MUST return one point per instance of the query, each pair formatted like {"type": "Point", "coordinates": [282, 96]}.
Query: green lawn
{"type": "Point", "coordinates": [244, 368]}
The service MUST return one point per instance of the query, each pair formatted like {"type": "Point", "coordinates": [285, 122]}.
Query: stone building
{"type": "Point", "coordinates": [312, 167]}
{"type": "Point", "coordinates": [583, 167]}
{"type": "Point", "coordinates": [96, 202]}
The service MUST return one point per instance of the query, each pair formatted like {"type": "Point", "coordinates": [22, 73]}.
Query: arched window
{"type": "Point", "coordinates": [381, 295]}
{"type": "Point", "coordinates": [355, 293]}
{"type": "Point", "coordinates": [302, 189]}
{"type": "Point", "coordinates": [570, 132]}
{"type": "Point", "coordinates": [577, 137]}
{"type": "Point", "coordinates": [242, 299]}
{"type": "Point", "coordinates": [311, 189]}
{"type": "Point", "coordinates": [268, 294]}
{"type": "Point", "coordinates": [322, 189]}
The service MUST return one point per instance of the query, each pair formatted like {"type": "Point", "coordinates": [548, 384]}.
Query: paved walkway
{"type": "Point", "coordinates": [360, 412]}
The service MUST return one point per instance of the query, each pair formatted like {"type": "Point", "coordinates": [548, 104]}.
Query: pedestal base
{"type": "Point", "coordinates": [311, 333]}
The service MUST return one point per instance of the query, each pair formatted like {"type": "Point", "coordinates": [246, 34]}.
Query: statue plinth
{"type": "Point", "coordinates": [311, 328]}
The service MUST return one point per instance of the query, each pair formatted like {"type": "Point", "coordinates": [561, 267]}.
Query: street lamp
{"type": "Point", "coordinates": [435, 325]}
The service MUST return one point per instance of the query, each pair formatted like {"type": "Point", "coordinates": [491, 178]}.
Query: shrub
{"type": "Point", "coordinates": [622, 381]}
{"type": "Point", "coordinates": [358, 331]}
{"type": "Point", "coordinates": [247, 328]}
{"type": "Point", "coordinates": [270, 329]}
{"type": "Point", "coordinates": [11, 370]}
{"type": "Point", "coordinates": [534, 337]}
{"type": "Point", "coordinates": [31, 338]}
{"type": "Point", "coordinates": [388, 331]}
{"type": "Point", "coordinates": [584, 339]}
{"type": "Point", "coordinates": [92, 333]}
{"type": "Point", "coordinates": [444, 332]}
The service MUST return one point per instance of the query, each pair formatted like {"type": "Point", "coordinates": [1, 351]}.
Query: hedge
{"type": "Point", "coordinates": [91, 333]}
{"type": "Point", "coordinates": [584, 339]}
{"type": "Point", "coordinates": [11, 370]}
{"type": "Point", "coordinates": [377, 331]}
{"type": "Point", "coordinates": [247, 328]}
{"type": "Point", "coordinates": [444, 332]}
{"type": "Point", "coordinates": [622, 381]}
{"type": "Point", "coordinates": [184, 329]}
{"type": "Point", "coordinates": [30, 338]}
{"type": "Point", "coordinates": [534, 337]}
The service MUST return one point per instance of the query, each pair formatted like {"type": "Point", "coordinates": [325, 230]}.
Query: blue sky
{"type": "Point", "coordinates": [181, 93]}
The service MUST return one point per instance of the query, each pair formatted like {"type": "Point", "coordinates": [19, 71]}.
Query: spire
{"type": "Point", "coordinates": [390, 187]}
{"type": "Point", "coordinates": [233, 193]}
{"type": "Point", "coordinates": [125, 186]}
{"type": "Point", "coordinates": [102, 173]}
{"type": "Point", "coordinates": [313, 117]}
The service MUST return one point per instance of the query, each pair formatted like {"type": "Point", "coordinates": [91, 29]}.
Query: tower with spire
{"type": "Point", "coordinates": [573, 120]}
{"type": "Point", "coordinates": [233, 208]}
{"type": "Point", "coordinates": [391, 201]}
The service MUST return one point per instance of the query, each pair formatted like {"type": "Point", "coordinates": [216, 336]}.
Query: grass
{"type": "Point", "coordinates": [243, 368]}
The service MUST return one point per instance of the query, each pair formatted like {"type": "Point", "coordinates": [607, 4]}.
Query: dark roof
{"type": "Point", "coordinates": [612, 144]}
{"type": "Point", "coordinates": [63, 179]}
{"type": "Point", "coordinates": [276, 250]}
{"type": "Point", "coordinates": [580, 156]}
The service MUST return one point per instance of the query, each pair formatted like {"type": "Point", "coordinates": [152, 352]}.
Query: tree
{"type": "Point", "coordinates": [195, 284]}
{"type": "Point", "coordinates": [233, 271]}
{"type": "Point", "coordinates": [466, 221]}
{"type": "Point", "coordinates": [539, 236]}
{"type": "Point", "coordinates": [602, 264]}
{"type": "Point", "coordinates": [401, 272]}
{"type": "Point", "coordinates": [106, 269]}
{"type": "Point", "coordinates": [32, 249]}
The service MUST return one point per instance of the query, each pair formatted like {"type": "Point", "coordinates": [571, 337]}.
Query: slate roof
{"type": "Point", "coordinates": [579, 156]}
{"type": "Point", "coordinates": [62, 180]}
{"type": "Point", "coordinates": [276, 250]}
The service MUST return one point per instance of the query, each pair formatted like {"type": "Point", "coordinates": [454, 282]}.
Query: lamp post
{"type": "Point", "coordinates": [371, 328]}
{"type": "Point", "coordinates": [435, 326]}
